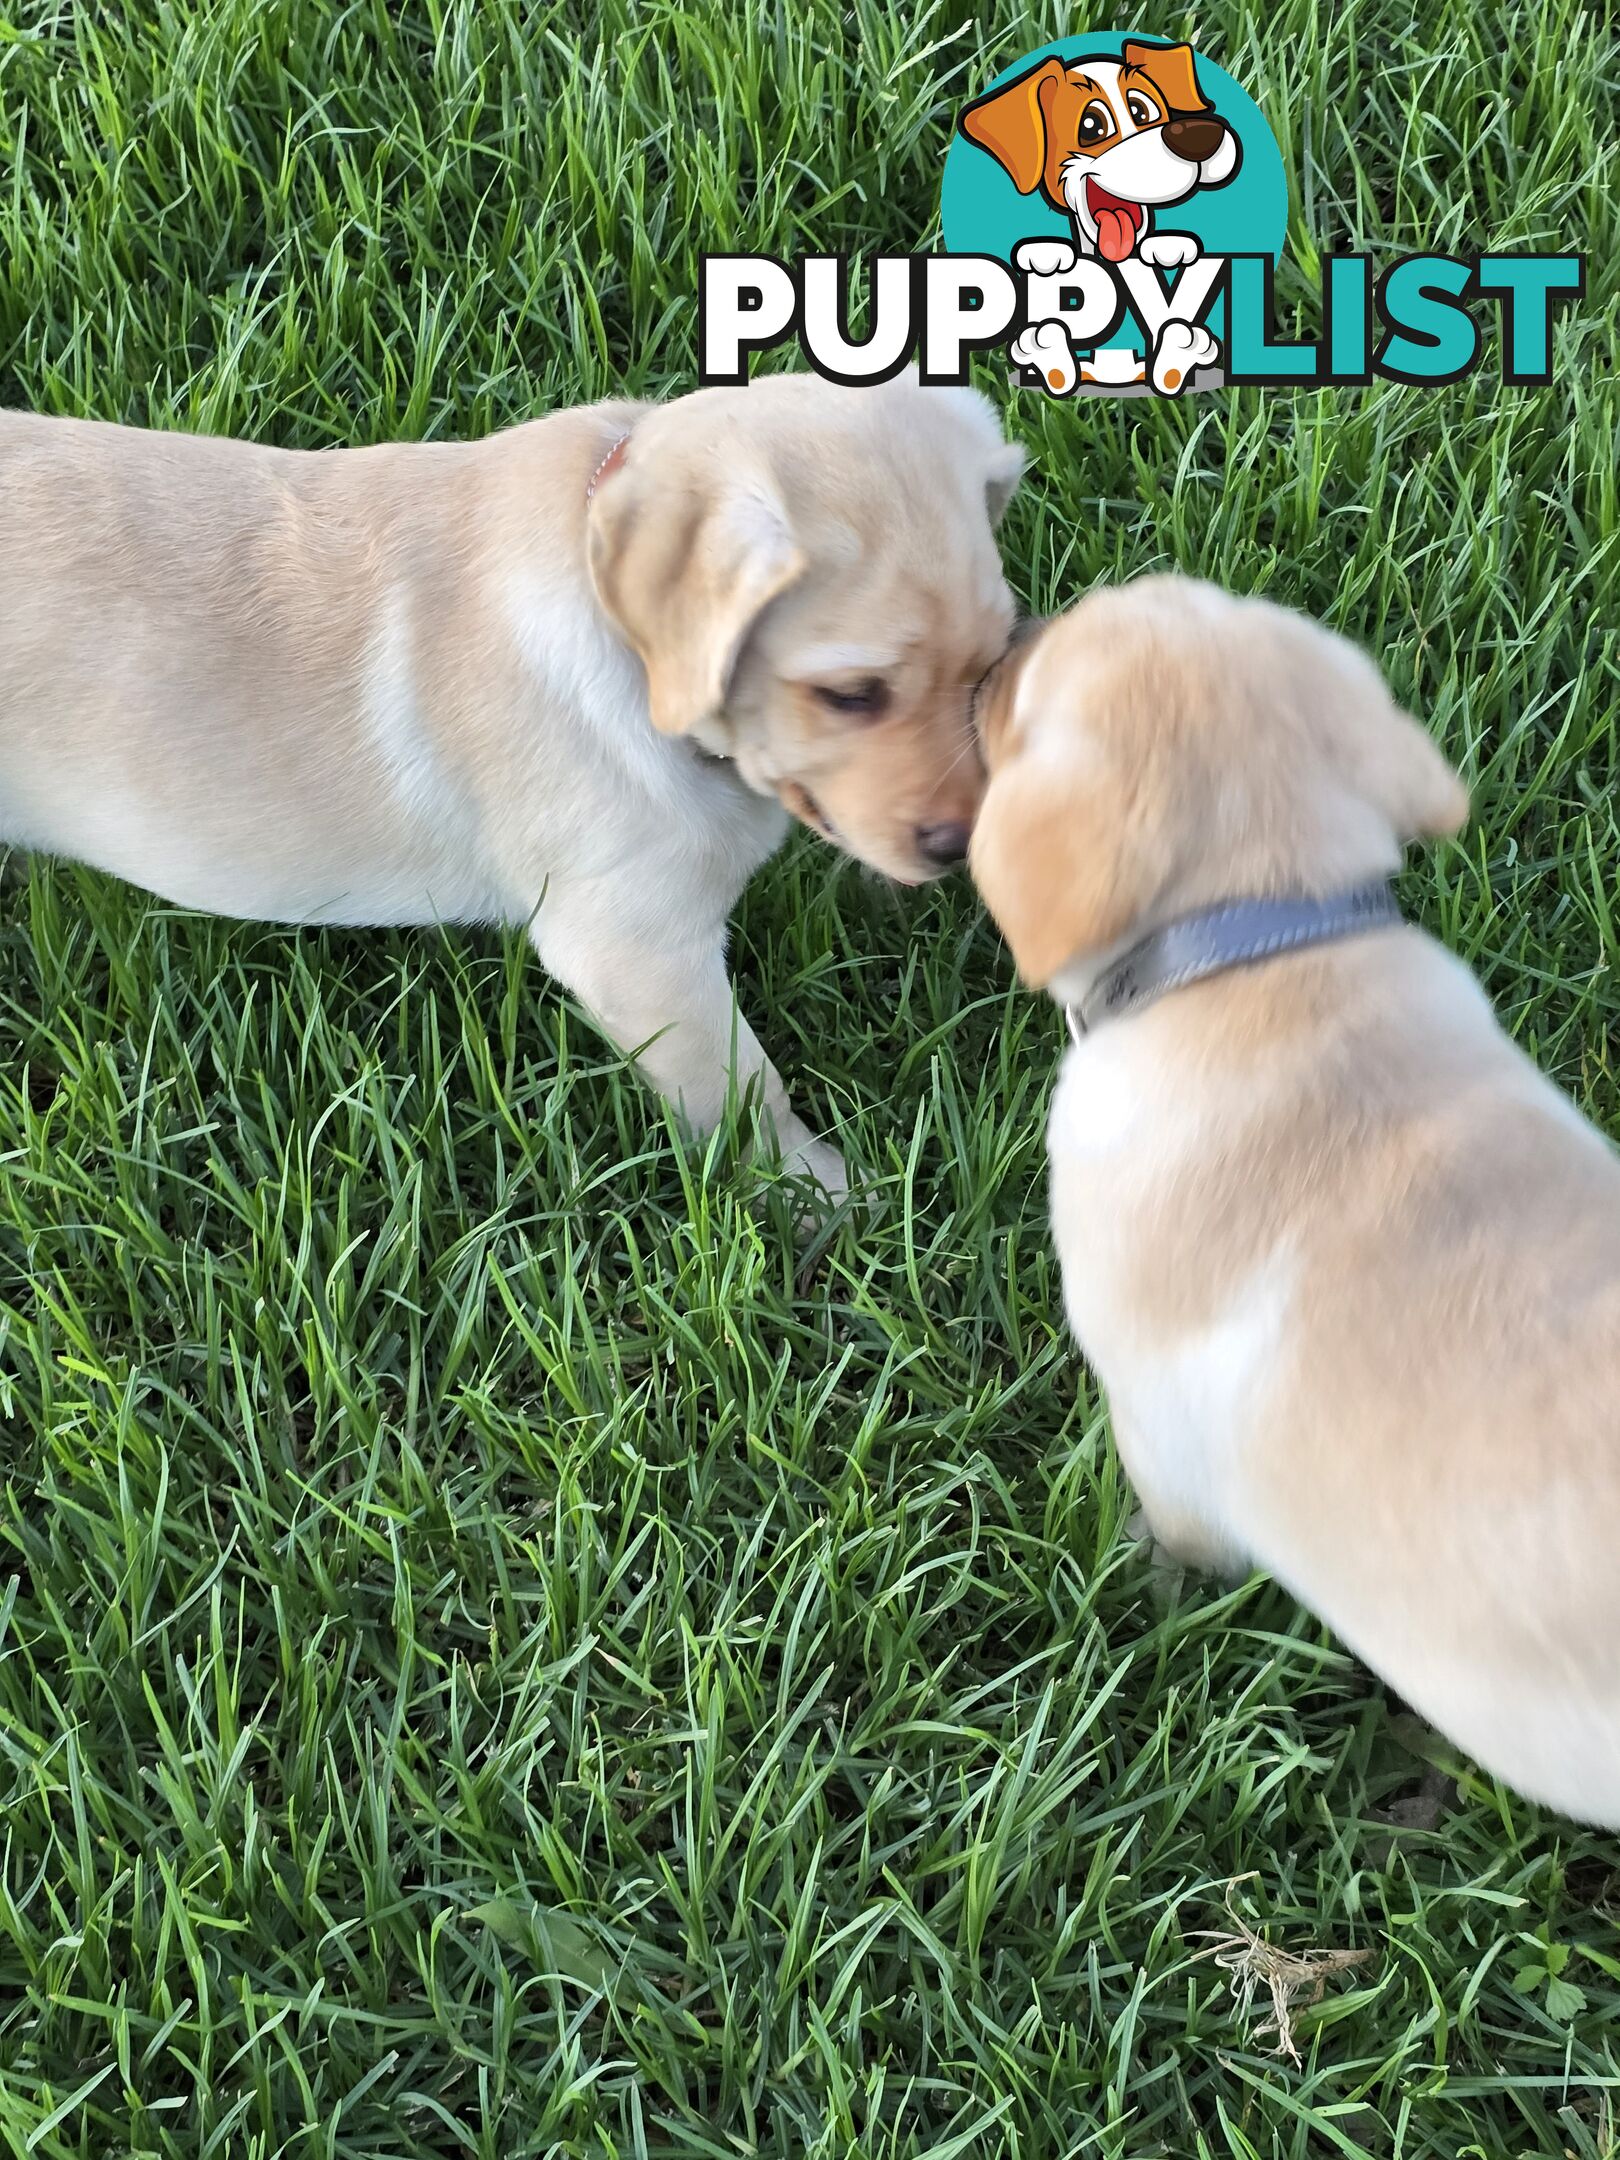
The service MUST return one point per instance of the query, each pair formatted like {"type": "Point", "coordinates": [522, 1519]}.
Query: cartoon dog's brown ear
{"type": "Point", "coordinates": [1171, 68]}
{"type": "Point", "coordinates": [1011, 124]}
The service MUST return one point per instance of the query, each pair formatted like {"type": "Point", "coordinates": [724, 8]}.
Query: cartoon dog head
{"type": "Point", "coordinates": [1108, 140]}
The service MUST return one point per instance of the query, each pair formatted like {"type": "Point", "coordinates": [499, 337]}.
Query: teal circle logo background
{"type": "Point", "coordinates": [982, 213]}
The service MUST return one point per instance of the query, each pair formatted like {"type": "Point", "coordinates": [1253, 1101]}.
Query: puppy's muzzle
{"type": "Point", "coordinates": [944, 844]}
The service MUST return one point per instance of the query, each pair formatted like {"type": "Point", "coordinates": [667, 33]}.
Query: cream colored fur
{"type": "Point", "coordinates": [1346, 1263]}
{"type": "Point", "coordinates": [411, 684]}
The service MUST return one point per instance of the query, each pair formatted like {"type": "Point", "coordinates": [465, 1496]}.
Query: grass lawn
{"type": "Point", "coordinates": [500, 1654]}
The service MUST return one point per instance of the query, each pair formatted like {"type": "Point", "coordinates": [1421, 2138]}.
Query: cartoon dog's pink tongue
{"type": "Point", "coordinates": [1118, 222]}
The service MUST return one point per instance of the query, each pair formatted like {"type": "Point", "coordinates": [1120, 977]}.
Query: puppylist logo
{"type": "Point", "coordinates": [1114, 209]}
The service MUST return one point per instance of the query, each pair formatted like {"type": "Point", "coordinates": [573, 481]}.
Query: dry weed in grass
{"type": "Point", "coordinates": [1286, 1974]}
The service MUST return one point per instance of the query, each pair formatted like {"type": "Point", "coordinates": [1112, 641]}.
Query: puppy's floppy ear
{"type": "Point", "coordinates": [1383, 755]}
{"type": "Point", "coordinates": [1060, 863]}
{"type": "Point", "coordinates": [1011, 124]}
{"type": "Point", "coordinates": [1001, 482]}
{"type": "Point", "coordinates": [685, 571]}
{"type": "Point", "coordinates": [993, 699]}
{"type": "Point", "coordinates": [1173, 70]}
{"type": "Point", "coordinates": [1005, 460]}
{"type": "Point", "coordinates": [1396, 765]}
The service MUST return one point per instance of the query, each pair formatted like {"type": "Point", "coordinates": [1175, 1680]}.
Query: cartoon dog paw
{"type": "Point", "coordinates": [1045, 258]}
{"type": "Point", "coordinates": [1182, 346]}
{"type": "Point", "coordinates": [1169, 250]}
{"type": "Point", "coordinates": [1045, 347]}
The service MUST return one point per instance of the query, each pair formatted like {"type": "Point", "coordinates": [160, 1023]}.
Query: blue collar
{"type": "Point", "coordinates": [1231, 936]}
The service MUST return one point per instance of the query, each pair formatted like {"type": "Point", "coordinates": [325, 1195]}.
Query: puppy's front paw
{"type": "Point", "coordinates": [1182, 347]}
{"type": "Point", "coordinates": [820, 1165]}
{"type": "Point", "coordinates": [1166, 1574]}
{"type": "Point", "coordinates": [1045, 347]}
{"type": "Point", "coordinates": [788, 1142]}
{"type": "Point", "coordinates": [1045, 258]}
{"type": "Point", "coordinates": [1168, 250]}
{"type": "Point", "coordinates": [1177, 1545]}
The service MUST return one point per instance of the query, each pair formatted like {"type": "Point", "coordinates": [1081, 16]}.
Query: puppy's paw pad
{"type": "Point", "coordinates": [1045, 258]}
{"type": "Point", "coordinates": [1045, 347]}
{"type": "Point", "coordinates": [1182, 348]}
{"type": "Point", "coordinates": [1168, 250]}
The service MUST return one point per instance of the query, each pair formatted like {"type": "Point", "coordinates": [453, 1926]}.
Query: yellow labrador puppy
{"type": "Point", "coordinates": [576, 676]}
{"type": "Point", "coordinates": [1346, 1263]}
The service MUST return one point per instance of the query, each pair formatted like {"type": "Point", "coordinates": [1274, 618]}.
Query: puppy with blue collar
{"type": "Point", "coordinates": [1346, 1263]}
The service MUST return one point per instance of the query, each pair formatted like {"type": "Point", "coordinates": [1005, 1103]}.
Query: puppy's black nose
{"type": "Point", "coordinates": [944, 844]}
{"type": "Point", "coordinates": [1194, 136]}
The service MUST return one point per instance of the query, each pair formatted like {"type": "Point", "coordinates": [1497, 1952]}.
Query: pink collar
{"type": "Point", "coordinates": [609, 465]}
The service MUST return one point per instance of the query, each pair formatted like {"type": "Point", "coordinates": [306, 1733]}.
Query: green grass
{"type": "Point", "coordinates": [499, 1653]}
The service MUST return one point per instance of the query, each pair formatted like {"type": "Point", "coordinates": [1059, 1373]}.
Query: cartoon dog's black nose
{"type": "Point", "coordinates": [1194, 136]}
{"type": "Point", "coordinates": [944, 844]}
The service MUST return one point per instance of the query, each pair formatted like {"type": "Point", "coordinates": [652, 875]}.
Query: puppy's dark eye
{"type": "Point", "coordinates": [1096, 122]}
{"type": "Point", "coordinates": [859, 701]}
{"type": "Point", "coordinates": [1142, 110]}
